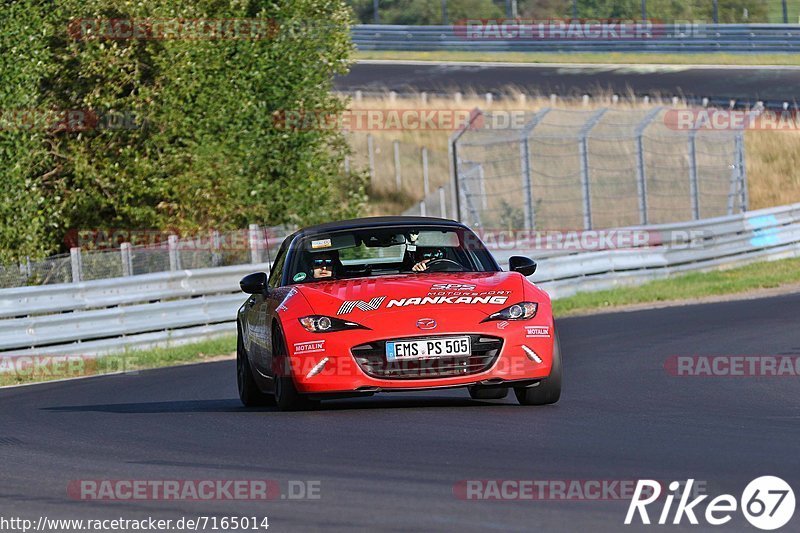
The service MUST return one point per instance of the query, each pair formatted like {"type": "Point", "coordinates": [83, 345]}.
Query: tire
{"type": "Point", "coordinates": [286, 396]}
{"type": "Point", "coordinates": [487, 393]}
{"type": "Point", "coordinates": [249, 393]}
{"type": "Point", "coordinates": [548, 391]}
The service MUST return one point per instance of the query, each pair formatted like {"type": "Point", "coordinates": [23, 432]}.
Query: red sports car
{"type": "Point", "coordinates": [393, 304]}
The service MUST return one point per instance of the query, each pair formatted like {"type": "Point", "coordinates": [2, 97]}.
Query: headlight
{"type": "Point", "coordinates": [520, 311]}
{"type": "Point", "coordinates": [326, 324]}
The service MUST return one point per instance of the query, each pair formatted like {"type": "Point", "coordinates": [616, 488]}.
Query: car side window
{"type": "Point", "coordinates": [276, 272]}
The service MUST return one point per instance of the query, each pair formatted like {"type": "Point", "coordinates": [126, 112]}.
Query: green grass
{"type": "Point", "coordinates": [605, 58]}
{"type": "Point", "coordinates": [129, 361]}
{"type": "Point", "coordinates": [768, 275]}
{"type": "Point", "coordinates": [775, 13]}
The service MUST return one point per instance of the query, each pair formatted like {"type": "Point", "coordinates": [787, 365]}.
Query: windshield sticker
{"type": "Point", "coordinates": [322, 243]}
{"type": "Point", "coordinates": [300, 276]}
{"type": "Point", "coordinates": [412, 245]}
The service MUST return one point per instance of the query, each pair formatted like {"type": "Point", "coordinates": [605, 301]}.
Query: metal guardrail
{"type": "Point", "coordinates": [736, 240]}
{"type": "Point", "coordinates": [110, 315]}
{"type": "Point", "coordinates": [755, 38]}
{"type": "Point", "coordinates": [103, 254]}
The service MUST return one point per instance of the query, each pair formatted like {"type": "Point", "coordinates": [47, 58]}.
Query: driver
{"type": "Point", "coordinates": [323, 264]}
{"type": "Point", "coordinates": [422, 265]}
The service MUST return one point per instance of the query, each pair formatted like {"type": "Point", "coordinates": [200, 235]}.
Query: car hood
{"type": "Point", "coordinates": [359, 299]}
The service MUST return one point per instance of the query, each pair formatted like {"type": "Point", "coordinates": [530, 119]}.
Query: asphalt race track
{"type": "Point", "coordinates": [750, 84]}
{"type": "Point", "coordinates": [391, 461]}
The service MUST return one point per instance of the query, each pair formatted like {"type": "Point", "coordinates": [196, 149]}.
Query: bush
{"type": "Point", "coordinates": [206, 152]}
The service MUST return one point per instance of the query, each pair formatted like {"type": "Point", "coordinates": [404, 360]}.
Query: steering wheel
{"type": "Point", "coordinates": [444, 265]}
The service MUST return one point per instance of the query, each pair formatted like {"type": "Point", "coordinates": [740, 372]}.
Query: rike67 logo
{"type": "Point", "coordinates": [767, 503]}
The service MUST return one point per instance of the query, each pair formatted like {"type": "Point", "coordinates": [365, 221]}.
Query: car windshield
{"type": "Point", "coordinates": [369, 252]}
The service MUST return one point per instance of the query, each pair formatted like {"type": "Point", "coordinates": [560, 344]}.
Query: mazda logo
{"type": "Point", "coordinates": [426, 323]}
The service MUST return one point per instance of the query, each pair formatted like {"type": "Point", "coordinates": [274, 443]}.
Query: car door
{"type": "Point", "coordinates": [263, 311]}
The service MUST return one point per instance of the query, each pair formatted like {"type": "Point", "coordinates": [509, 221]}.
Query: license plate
{"type": "Point", "coordinates": [424, 349]}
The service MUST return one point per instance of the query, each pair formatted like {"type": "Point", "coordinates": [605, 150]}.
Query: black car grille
{"type": "Point", "coordinates": [371, 357]}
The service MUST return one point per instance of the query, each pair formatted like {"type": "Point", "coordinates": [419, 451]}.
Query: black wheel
{"type": "Point", "coordinates": [487, 393]}
{"type": "Point", "coordinates": [286, 396]}
{"type": "Point", "coordinates": [249, 393]}
{"type": "Point", "coordinates": [548, 390]}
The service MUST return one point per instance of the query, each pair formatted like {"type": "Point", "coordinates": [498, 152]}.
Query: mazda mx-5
{"type": "Point", "coordinates": [388, 304]}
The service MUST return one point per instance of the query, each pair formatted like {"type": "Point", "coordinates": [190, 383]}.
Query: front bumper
{"type": "Point", "coordinates": [328, 363]}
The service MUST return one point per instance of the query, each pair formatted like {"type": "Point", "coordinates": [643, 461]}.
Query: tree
{"type": "Point", "coordinates": [205, 151]}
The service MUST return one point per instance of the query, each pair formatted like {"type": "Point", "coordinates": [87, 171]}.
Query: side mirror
{"type": "Point", "coordinates": [254, 283]}
{"type": "Point", "coordinates": [524, 265]}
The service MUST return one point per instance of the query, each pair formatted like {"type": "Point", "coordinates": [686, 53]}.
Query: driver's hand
{"type": "Point", "coordinates": [422, 266]}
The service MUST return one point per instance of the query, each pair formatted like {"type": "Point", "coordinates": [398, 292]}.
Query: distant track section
{"type": "Point", "coordinates": [747, 85]}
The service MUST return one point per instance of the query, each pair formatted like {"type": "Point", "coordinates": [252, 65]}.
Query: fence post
{"type": "Point", "coordinates": [785, 12]}
{"type": "Point", "coordinates": [527, 184]}
{"type": "Point", "coordinates": [741, 164]}
{"type": "Point", "coordinates": [473, 215]}
{"type": "Point", "coordinates": [641, 171]}
{"type": "Point", "coordinates": [442, 203]}
{"type": "Point", "coordinates": [482, 187]}
{"type": "Point", "coordinates": [426, 184]}
{"type": "Point", "coordinates": [422, 210]}
{"type": "Point", "coordinates": [583, 147]}
{"type": "Point", "coordinates": [693, 182]}
{"type": "Point", "coordinates": [174, 258]}
{"type": "Point", "coordinates": [216, 256]}
{"type": "Point", "coordinates": [371, 154]}
{"type": "Point", "coordinates": [452, 151]}
{"type": "Point", "coordinates": [398, 179]}
{"type": "Point", "coordinates": [25, 268]}
{"type": "Point", "coordinates": [127, 259]}
{"type": "Point", "coordinates": [255, 244]}
{"type": "Point", "coordinates": [733, 187]}
{"type": "Point", "coordinates": [77, 264]}
{"type": "Point", "coordinates": [525, 168]}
